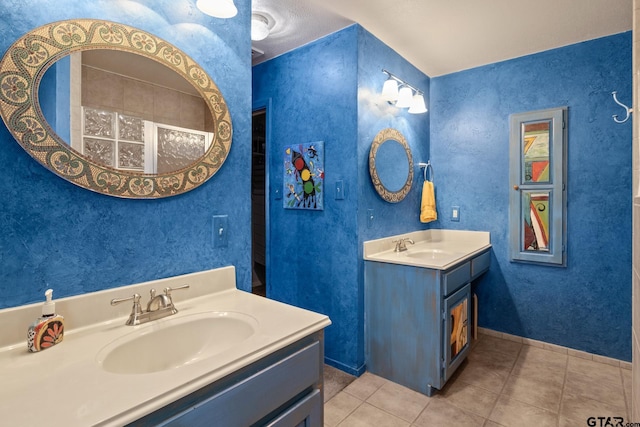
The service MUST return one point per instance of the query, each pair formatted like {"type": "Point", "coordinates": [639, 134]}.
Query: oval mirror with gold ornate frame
{"type": "Point", "coordinates": [391, 165]}
{"type": "Point", "coordinates": [21, 72]}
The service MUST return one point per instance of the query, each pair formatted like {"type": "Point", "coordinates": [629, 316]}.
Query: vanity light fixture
{"type": "Point", "coordinates": [259, 27]}
{"type": "Point", "coordinates": [217, 8]}
{"type": "Point", "coordinates": [406, 97]}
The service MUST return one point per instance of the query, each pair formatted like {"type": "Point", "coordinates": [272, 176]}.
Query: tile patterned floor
{"type": "Point", "coordinates": [502, 383]}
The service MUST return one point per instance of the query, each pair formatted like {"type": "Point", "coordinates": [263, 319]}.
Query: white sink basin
{"type": "Point", "coordinates": [433, 254]}
{"type": "Point", "coordinates": [174, 342]}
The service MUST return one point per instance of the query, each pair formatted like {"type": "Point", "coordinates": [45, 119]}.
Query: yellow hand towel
{"type": "Point", "coordinates": [428, 206]}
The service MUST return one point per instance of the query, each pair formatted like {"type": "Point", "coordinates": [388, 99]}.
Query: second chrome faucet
{"type": "Point", "coordinates": [159, 306]}
{"type": "Point", "coordinates": [401, 246]}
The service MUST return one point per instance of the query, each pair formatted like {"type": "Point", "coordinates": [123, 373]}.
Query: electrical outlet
{"type": "Point", "coordinates": [220, 232]}
{"type": "Point", "coordinates": [455, 213]}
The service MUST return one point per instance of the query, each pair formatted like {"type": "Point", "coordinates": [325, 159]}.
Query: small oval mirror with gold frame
{"type": "Point", "coordinates": [22, 70]}
{"type": "Point", "coordinates": [391, 165]}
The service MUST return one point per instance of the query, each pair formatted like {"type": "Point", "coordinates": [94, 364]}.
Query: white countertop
{"type": "Point", "coordinates": [436, 249]}
{"type": "Point", "coordinates": [65, 386]}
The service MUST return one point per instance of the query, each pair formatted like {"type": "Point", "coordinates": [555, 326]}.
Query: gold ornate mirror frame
{"type": "Point", "coordinates": [21, 71]}
{"type": "Point", "coordinates": [383, 136]}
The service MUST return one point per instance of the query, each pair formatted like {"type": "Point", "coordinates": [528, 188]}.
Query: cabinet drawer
{"type": "Point", "coordinates": [480, 264]}
{"type": "Point", "coordinates": [456, 278]}
{"type": "Point", "coordinates": [247, 401]}
{"type": "Point", "coordinates": [306, 413]}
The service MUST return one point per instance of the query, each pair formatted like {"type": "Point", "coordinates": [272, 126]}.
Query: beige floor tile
{"type": "Point", "coordinates": [566, 422]}
{"type": "Point", "coordinates": [335, 381]}
{"type": "Point", "coordinates": [540, 393]}
{"type": "Point", "coordinates": [578, 407]}
{"type": "Point", "coordinates": [368, 416]}
{"type": "Point", "coordinates": [365, 386]}
{"type": "Point", "coordinates": [468, 397]}
{"type": "Point", "coordinates": [440, 413]}
{"type": "Point", "coordinates": [493, 359]}
{"type": "Point", "coordinates": [499, 345]}
{"type": "Point", "coordinates": [602, 391]}
{"type": "Point", "coordinates": [546, 358]}
{"type": "Point", "coordinates": [511, 412]}
{"type": "Point", "coordinates": [478, 374]}
{"type": "Point", "coordinates": [399, 401]}
{"type": "Point", "coordinates": [490, 423]}
{"type": "Point", "coordinates": [594, 370]}
{"type": "Point", "coordinates": [339, 407]}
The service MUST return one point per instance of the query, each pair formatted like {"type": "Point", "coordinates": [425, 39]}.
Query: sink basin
{"type": "Point", "coordinates": [433, 254]}
{"type": "Point", "coordinates": [174, 342]}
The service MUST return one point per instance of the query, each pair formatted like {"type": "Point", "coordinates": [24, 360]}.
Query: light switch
{"type": "Point", "coordinates": [369, 218]}
{"type": "Point", "coordinates": [220, 232]}
{"type": "Point", "coordinates": [455, 213]}
{"type": "Point", "coordinates": [340, 190]}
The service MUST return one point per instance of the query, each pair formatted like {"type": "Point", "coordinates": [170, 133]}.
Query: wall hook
{"type": "Point", "coordinates": [629, 110]}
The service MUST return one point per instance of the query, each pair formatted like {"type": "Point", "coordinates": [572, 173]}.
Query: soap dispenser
{"type": "Point", "coordinates": [48, 329]}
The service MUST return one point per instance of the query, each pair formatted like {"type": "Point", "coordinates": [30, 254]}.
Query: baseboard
{"type": "Point", "coordinates": [557, 348]}
{"type": "Point", "coordinates": [346, 368]}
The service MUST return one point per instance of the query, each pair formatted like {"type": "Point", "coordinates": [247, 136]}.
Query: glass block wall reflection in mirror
{"type": "Point", "coordinates": [100, 150]}
{"type": "Point", "coordinates": [132, 143]}
{"type": "Point", "coordinates": [535, 148]}
{"type": "Point", "coordinates": [100, 142]}
{"type": "Point", "coordinates": [178, 148]}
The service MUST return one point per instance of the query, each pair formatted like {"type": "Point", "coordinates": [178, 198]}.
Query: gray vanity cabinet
{"type": "Point", "coordinates": [417, 320]}
{"type": "Point", "coordinates": [281, 390]}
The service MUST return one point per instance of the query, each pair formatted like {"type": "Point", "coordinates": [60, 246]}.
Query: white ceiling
{"type": "Point", "coordinates": [444, 36]}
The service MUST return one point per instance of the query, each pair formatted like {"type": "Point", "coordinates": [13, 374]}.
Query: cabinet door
{"type": "Point", "coordinates": [537, 214]}
{"type": "Point", "coordinates": [457, 333]}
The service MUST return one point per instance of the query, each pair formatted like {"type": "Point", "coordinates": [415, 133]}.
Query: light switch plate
{"type": "Point", "coordinates": [369, 218]}
{"type": "Point", "coordinates": [340, 190]}
{"type": "Point", "coordinates": [220, 231]}
{"type": "Point", "coordinates": [455, 213]}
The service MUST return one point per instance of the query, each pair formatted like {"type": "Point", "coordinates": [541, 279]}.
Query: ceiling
{"type": "Point", "coordinates": [444, 36]}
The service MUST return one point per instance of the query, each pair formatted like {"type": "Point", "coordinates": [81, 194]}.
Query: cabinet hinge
{"type": "Point", "coordinates": [444, 315]}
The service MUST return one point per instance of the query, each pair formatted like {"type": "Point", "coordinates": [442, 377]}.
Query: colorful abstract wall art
{"type": "Point", "coordinates": [536, 140]}
{"type": "Point", "coordinates": [304, 176]}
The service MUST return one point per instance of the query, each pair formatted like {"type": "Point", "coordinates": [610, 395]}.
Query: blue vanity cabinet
{"type": "Point", "coordinates": [418, 320]}
{"type": "Point", "coordinates": [283, 389]}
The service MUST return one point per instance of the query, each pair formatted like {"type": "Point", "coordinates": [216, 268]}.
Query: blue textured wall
{"type": "Point", "coordinates": [587, 305]}
{"type": "Point", "coordinates": [327, 91]}
{"type": "Point", "coordinates": [58, 235]}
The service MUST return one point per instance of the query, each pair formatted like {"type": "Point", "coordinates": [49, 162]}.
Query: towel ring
{"type": "Point", "coordinates": [427, 170]}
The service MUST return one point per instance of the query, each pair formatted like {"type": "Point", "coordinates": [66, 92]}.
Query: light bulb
{"type": "Point", "coordinates": [390, 90]}
{"type": "Point", "coordinates": [417, 104]}
{"type": "Point", "coordinates": [218, 8]}
{"type": "Point", "coordinates": [259, 27]}
{"type": "Point", "coordinates": [405, 96]}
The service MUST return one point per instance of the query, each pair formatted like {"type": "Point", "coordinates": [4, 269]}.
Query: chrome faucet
{"type": "Point", "coordinates": [159, 306]}
{"type": "Point", "coordinates": [401, 245]}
